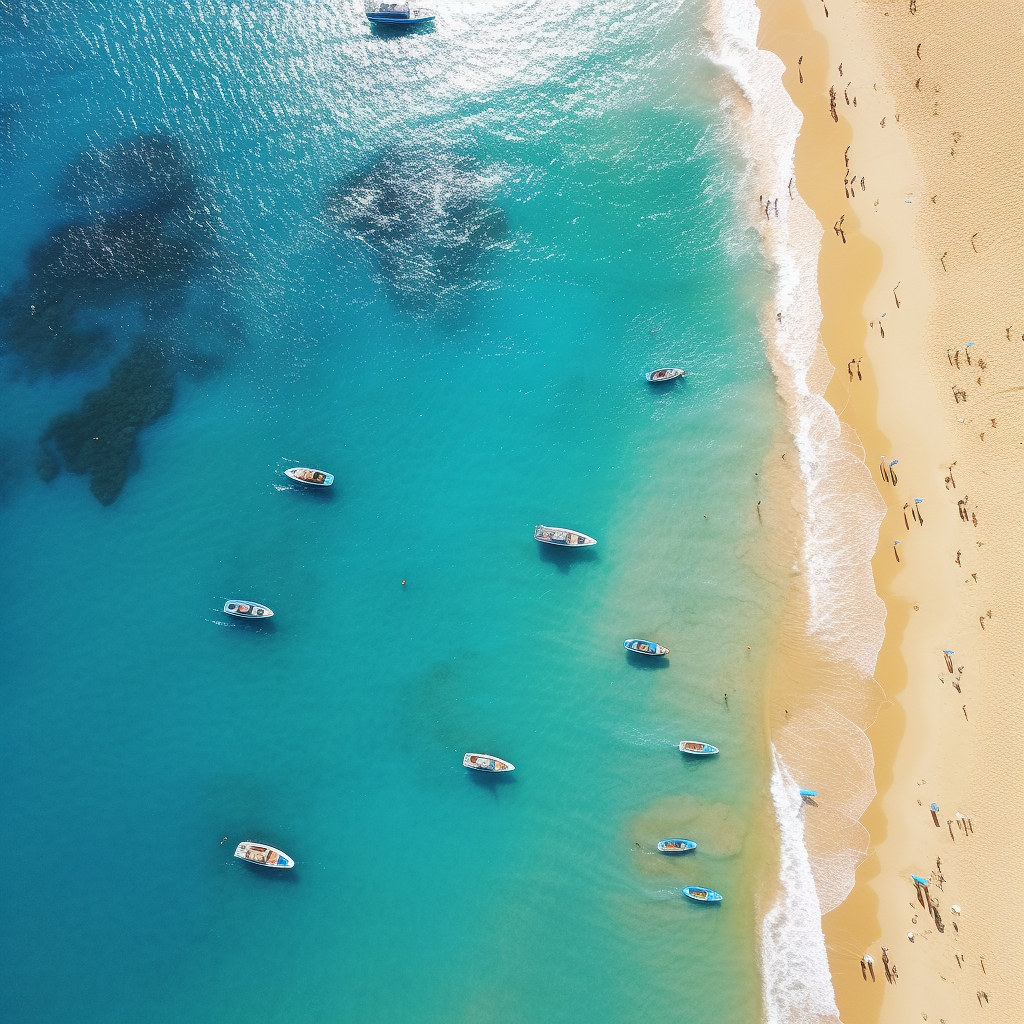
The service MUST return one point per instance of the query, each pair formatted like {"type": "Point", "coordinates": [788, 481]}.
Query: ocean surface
{"type": "Point", "coordinates": [242, 237]}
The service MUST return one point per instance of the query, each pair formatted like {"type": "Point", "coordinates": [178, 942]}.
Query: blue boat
{"type": "Point", "coordinates": [677, 845]}
{"type": "Point", "coordinates": [697, 748]}
{"type": "Point", "coordinates": [808, 792]}
{"type": "Point", "coordinates": [648, 647]}
{"type": "Point", "coordinates": [701, 895]}
{"type": "Point", "coordinates": [400, 14]}
{"type": "Point", "coordinates": [920, 880]}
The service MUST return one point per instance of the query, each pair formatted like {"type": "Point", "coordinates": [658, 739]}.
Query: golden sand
{"type": "Point", "coordinates": [921, 259]}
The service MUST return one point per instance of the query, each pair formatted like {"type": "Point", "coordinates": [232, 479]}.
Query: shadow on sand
{"type": "Point", "coordinates": [645, 661]}
{"type": "Point", "coordinates": [491, 781]}
{"type": "Point", "coordinates": [564, 558]}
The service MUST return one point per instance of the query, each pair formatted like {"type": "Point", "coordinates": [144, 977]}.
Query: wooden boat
{"type": "Point", "coordinates": [310, 477]}
{"type": "Point", "coordinates": [562, 538]}
{"type": "Point", "coordinates": [665, 373]}
{"type": "Point", "coordinates": [677, 845]}
{"type": "Point", "coordinates": [247, 610]}
{"type": "Point", "coordinates": [264, 856]}
{"type": "Point", "coordinates": [487, 763]}
{"type": "Point", "coordinates": [697, 748]}
{"type": "Point", "coordinates": [701, 895]}
{"type": "Point", "coordinates": [648, 647]}
{"type": "Point", "coordinates": [400, 14]}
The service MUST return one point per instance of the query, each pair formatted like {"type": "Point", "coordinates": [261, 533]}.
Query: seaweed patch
{"type": "Point", "coordinates": [100, 438]}
{"type": "Point", "coordinates": [138, 231]}
{"type": "Point", "coordinates": [427, 221]}
{"type": "Point", "coordinates": [139, 227]}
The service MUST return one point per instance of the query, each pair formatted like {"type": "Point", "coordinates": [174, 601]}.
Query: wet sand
{"type": "Point", "coordinates": [920, 259]}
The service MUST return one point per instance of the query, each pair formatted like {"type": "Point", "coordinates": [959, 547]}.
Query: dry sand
{"type": "Point", "coordinates": [932, 257]}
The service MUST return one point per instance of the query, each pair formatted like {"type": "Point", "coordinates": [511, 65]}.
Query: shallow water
{"type": "Point", "coordinates": [437, 266]}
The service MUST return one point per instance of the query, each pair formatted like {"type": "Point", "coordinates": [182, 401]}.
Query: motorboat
{"type": "Point", "coordinates": [664, 374]}
{"type": "Point", "coordinates": [400, 14]}
{"type": "Point", "coordinates": [701, 895]}
{"type": "Point", "coordinates": [264, 856]}
{"type": "Point", "coordinates": [310, 477]}
{"type": "Point", "coordinates": [562, 538]}
{"type": "Point", "coordinates": [697, 748]}
{"type": "Point", "coordinates": [487, 763]}
{"type": "Point", "coordinates": [676, 845]}
{"type": "Point", "coordinates": [247, 610]}
{"type": "Point", "coordinates": [648, 647]}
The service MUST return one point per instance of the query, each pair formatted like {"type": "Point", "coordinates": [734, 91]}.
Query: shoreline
{"type": "Point", "coordinates": [874, 275]}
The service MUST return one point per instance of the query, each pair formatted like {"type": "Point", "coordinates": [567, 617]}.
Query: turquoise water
{"type": "Point", "coordinates": [437, 267]}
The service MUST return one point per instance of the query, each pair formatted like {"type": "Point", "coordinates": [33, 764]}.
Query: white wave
{"type": "Point", "coordinates": [843, 512]}
{"type": "Point", "coordinates": [796, 980]}
{"type": "Point", "coordinates": [844, 509]}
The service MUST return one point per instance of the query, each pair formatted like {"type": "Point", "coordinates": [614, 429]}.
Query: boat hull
{"type": "Point", "coordinates": [697, 748]}
{"type": "Point", "coordinates": [676, 846]}
{"type": "Point", "coordinates": [559, 537]}
{"type": "Point", "coordinates": [377, 19]}
{"type": "Point", "coordinates": [701, 895]}
{"type": "Point", "coordinates": [647, 647]}
{"type": "Point", "coordinates": [263, 856]}
{"type": "Point", "coordinates": [315, 476]}
{"type": "Point", "coordinates": [487, 763]}
{"type": "Point", "coordinates": [247, 610]}
{"type": "Point", "coordinates": [665, 374]}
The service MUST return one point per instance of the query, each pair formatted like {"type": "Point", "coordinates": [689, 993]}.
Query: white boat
{"type": "Point", "coordinates": [648, 647]}
{"type": "Point", "coordinates": [487, 763]}
{"type": "Point", "coordinates": [697, 747]}
{"type": "Point", "coordinates": [562, 538]}
{"type": "Point", "coordinates": [664, 373]}
{"type": "Point", "coordinates": [264, 856]}
{"type": "Point", "coordinates": [311, 477]}
{"type": "Point", "coordinates": [247, 610]}
{"type": "Point", "coordinates": [400, 14]}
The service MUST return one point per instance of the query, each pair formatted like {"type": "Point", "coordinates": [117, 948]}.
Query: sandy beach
{"type": "Point", "coordinates": [909, 156]}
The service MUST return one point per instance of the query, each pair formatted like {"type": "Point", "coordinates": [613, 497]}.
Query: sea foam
{"type": "Point", "coordinates": [797, 983]}
{"type": "Point", "coordinates": [841, 513]}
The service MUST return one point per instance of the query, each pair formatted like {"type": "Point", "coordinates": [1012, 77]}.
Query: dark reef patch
{"type": "Point", "coordinates": [427, 219]}
{"type": "Point", "coordinates": [100, 438]}
{"type": "Point", "coordinates": [138, 232]}
{"type": "Point", "coordinates": [139, 228]}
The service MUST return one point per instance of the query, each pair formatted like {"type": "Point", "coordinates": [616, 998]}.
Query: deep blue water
{"type": "Point", "coordinates": [436, 265]}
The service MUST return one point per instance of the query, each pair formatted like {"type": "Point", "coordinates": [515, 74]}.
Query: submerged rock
{"type": "Point", "coordinates": [100, 438]}
{"type": "Point", "coordinates": [426, 219]}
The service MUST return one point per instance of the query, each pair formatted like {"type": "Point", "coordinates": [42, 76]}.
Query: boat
{"type": "Point", "coordinates": [648, 647]}
{"type": "Point", "coordinates": [677, 845]}
{"type": "Point", "coordinates": [808, 792]}
{"type": "Point", "coordinates": [562, 538]}
{"type": "Point", "coordinates": [701, 895]}
{"type": "Point", "coordinates": [311, 477]}
{"type": "Point", "coordinates": [400, 14]}
{"type": "Point", "coordinates": [264, 856]}
{"type": "Point", "coordinates": [487, 763]}
{"type": "Point", "coordinates": [247, 610]}
{"type": "Point", "coordinates": [697, 748]}
{"type": "Point", "coordinates": [665, 373]}
{"type": "Point", "coordinates": [920, 880]}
